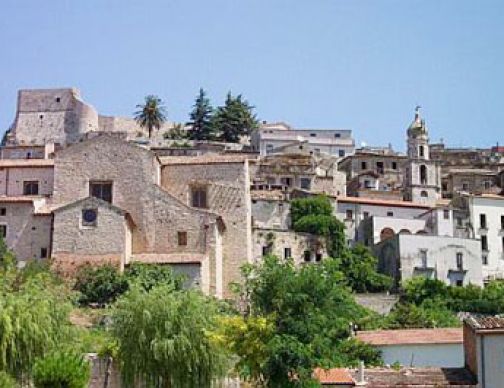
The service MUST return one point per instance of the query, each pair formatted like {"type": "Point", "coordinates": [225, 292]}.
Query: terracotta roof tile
{"type": "Point", "coordinates": [411, 336]}
{"type": "Point", "coordinates": [334, 376]}
{"type": "Point", "coordinates": [26, 163]}
{"type": "Point", "coordinates": [486, 322]}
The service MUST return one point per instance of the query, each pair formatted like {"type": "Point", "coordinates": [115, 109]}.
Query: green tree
{"type": "Point", "coordinates": [148, 276]}
{"type": "Point", "coordinates": [61, 370]}
{"type": "Point", "coordinates": [359, 266]}
{"type": "Point", "coordinates": [151, 114]}
{"type": "Point", "coordinates": [316, 205]}
{"type": "Point", "coordinates": [310, 309]}
{"type": "Point", "coordinates": [234, 119]}
{"type": "Point", "coordinates": [201, 118]}
{"type": "Point", "coordinates": [100, 285]}
{"type": "Point", "coordinates": [163, 338]}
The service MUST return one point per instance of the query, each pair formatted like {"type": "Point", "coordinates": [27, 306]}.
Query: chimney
{"type": "Point", "coordinates": [361, 381]}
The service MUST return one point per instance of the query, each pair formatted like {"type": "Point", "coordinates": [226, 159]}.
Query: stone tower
{"type": "Point", "coordinates": [423, 175]}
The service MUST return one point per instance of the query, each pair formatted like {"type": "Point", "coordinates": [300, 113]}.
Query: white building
{"type": "Point", "coordinates": [486, 214]}
{"type": "Point", "coordinates": [269, 137]}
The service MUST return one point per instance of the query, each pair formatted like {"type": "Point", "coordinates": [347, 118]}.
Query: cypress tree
{"type": "Point", "coordinates": [201, 117]}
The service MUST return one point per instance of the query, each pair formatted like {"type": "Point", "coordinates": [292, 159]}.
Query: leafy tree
{"type": "Point", "coordinates": [100, 285]}
{"type": "Point", "coordinates": [359, 267]}
{"type": "Point", "coordinates": [201, 118]}
{"type": "Point", "coordinates": [177, 132]}
{"type": "Point", "coordinates": [151, 114]}
{"type": "Point", "coordinates": [163, 338]}
{"type": "Point", "coordinates": [7, 381]}
{"type": "Point", "coordinates": [61, 370]}
{"type": "Point", "coordinates": [420, 288]}
{"type": "Point", "coordinates": [430, 314]}
{"type": "Point", "coordinates": [148, 276]}
{"type": "Point", "coordinates": [317, 205]}
{"type": "Point", "coordinates": [310, 309]}
{"type": "Point", "coordinates": [234, 119]}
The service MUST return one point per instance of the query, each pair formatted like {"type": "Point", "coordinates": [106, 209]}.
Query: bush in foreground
{"type": "Point", "coordinates": [61, 370]}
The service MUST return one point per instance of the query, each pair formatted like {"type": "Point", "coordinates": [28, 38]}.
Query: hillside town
{"type": "Point", "coordinates": [82, 190]}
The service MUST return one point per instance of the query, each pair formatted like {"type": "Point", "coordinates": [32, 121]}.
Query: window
{"type": "Point", "coordinates": [43, 253]}
{"type": "Point", "coordinates": [341, 153]}
{"type": "Point", "coordinates": [465, 186]}
{"type": "Point", "coordinates": [423, 174]}
{"type": "Point", "coordinates": [424, 194]}
{"type": "Point", "coordinates": [423, 257]}
{"type": "Point", "coordinates": [287, 253]}
{"type": "Point", "coordinates": [394, 165]}
{"type": "Point", "coordinates": [379, 167]}
{"type": "Point", "coordinates": [390, 214]}
{"type": "Point", "coordinates": [269, 147]}
{"type": "Point", "coordinates": [484, 243]}
{"type": "Point", "coordinates": [363, 166]}
{"type": "Point", "coordinates": [460, 262]}
{"type": "Point", "coordinates": [367, 184]}
{"type": "Point", "coordinates": [30, 188]}
{"type": "Point", "coordinates": [349, 214]}
{"type": "Point", "coordinates": [366, 214]}
{"type": "Point", "coordinates": [459, 222]}
{"type": "Point", "coordinates": [483, 222]}
{"type": "Point", "coordinates": [421, 151]}
{"type": "Point", "coordinates": [486, 185]}
{"type": "Point", "coordinates": [337, 135]}
{"type": "Point", "coordinates": [3, 231]}
{"type": "Point", "coordinates": [307, 256]}
{"type": "Point", "coordinates": [502, 248]}
{"type": "Point", "coordinates": [3, 211]}
{"type": "Point", "coordinates": [313, 135]}
{"type": "Point", "coordinates": [266, 250]}
{"type": "Point", "coordinates": [89, 217]}
{"type": "Point", "coordinates": [484, 259]}
{"type": "Point", "coordinates": [502, 222]}
{"type": "Point", "coordinates": [318, 257]}
{"type": "Point", "coordinates": [58, 99]}
{"type": "Point", "coordinates": [459, 283]}
{"type": "Point", "coordinates": [305, 183]}
{"type": "Point", "coordinates": [446, 214]}
{"type": "Point", "coordinates": [199, 197]}
{"type": "Point", "coordinates": [101, 190]}
{"type": "Point", "coordinates": [286, 181]}
{"type": "Point", "coordinates": [317, 150]}
{"type": "Point", "coordinates": [182, 238]}
{"type": "Point", "coordinates": [444, 186]}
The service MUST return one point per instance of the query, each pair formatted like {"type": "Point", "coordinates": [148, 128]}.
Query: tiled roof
{"type": "Point", "coordinates": [26, 163]}
{"type": "Point", "coordinates": [18, 199]}
{"type": "Point", "coordinates": [334, 376]}
{"type": "Point", "coordinates": [168, 258]}
{"type": "Point", "coordinates": [412, 336]}
{"type": "Point", "coordinates": [418, 377]}
{"type": "Point", "coordinates": [485, 322]}
{"type": "Point", "coordinates": [205, 159]}
{"type": "Point", "coordinates": [382, 202]}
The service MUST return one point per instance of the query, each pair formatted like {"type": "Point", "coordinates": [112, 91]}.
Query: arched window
{"type": "Point", "coordinates": [386, 233]}
{"type": "Point", "coordinates": [421, 232]}
{"type": "Point", "coordinates": [424, 194]}
{"type": "Point", "coordinates": [421, 151]}
{"type": "Point", "coordinates": [423, 174]}
{"type": "Point", "coordinates": [404, 231]}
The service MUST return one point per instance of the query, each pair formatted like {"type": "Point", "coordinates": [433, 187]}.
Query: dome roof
{"type": "Point", "coordinates": [417, 127]}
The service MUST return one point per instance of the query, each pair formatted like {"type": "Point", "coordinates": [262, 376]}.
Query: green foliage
{"type": "Point", "coordinates": [359, 267]}
{"type": "Point", "coordinates": [352, 351]}
{"type": "Point", "coordinates": [7, 381]}
{"type": "Point", "coordinates": [201, 118]}
{"type": "Point", "coordinates": [61, 370]}
{"type": "Point", "coordinates": [429, 314]}
{"type": "Point", "coordinates": [103, 285]}
{"type": "Point", "coordinates": [234, 119]}
{"type": "Point", "coordinates": [34, 309]}
{"type": "Point", "coordinates": [148, 276]}
{"type": "Point", "coordinates": [420, 288]}
{"type": "Point", "coordinates": [100, 285]}
{"type": "Point", "coordinates": [163, 338]}
{"type": "Point", "coordinates": [319, 205]}
{"type": "Point", "coordinates": [151, 114]}
{"type": "Point", "coordinates": [310, 309]}
{"type": "Point", "coordinates": [176, 133]}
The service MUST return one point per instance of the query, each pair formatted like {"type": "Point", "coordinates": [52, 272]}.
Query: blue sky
{"type": "Point", "coordinates": [358, 64]}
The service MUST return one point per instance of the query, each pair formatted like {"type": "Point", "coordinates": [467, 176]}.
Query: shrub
{"type": "Point", "coordinates": [148, 276]}
{"type": "Point", "coordinates": [7, 381]}
{"type": "Point", "coordinates": [301, 207]}
{"type": "Point", "coordinates": [61, 370]}
{"type": "Point", "coordinates": [100, 285]}
{"type": "Point", "coordinates": [352, 351]}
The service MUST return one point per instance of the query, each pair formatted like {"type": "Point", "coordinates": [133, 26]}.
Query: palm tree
{"type": "Point", "coordinates": [151, 114]}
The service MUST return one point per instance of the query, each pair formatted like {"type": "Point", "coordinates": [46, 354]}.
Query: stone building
{"type": "Point", "coordinates": [218, 184]}
{"type": "Point", "coordinates": [470, 180]}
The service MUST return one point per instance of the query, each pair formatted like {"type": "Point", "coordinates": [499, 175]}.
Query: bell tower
{"type": "Point", "coordinates": [423, 175]}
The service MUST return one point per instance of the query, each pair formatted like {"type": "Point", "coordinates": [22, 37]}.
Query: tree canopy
{"type": "Point", "coordinates": [201, 118]}
{"type": "Point", "coordinates": [234, 119]}
{"type": "Point", "coordinates": [151, 114]}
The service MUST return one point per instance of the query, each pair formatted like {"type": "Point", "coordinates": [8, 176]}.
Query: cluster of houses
{"type": "Point", "coordinates": [81, 188]}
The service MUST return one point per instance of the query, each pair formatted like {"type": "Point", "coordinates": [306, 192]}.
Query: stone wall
{"type": "Point", "coordinates": [27, 234]}
{"type": "Point", "coordinates": [228, 194]}
{"type": "Point", "coordinates": [271, 214]}
{"type": "Point", "coordinates": [12, 179]}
